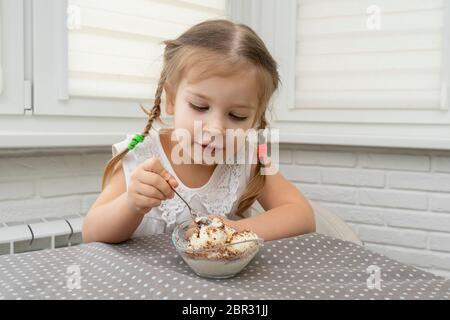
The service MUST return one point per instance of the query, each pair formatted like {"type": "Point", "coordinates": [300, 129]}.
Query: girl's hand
{"type": "Point", "coordinates": [149, 185]}
{"type": "Point", "coordinates": [193, 227]}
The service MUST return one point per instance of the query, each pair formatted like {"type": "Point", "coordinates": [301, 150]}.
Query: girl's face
{"type": "Point", "coordinates": [216, 104]}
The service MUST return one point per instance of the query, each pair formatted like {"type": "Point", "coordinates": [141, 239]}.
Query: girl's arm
{"type": "Point", "coordinates": [288, 213]}
{"type": "Point", "coordinates": [118, 212]}
{"type": "Point", "coordinates": [110, 219]}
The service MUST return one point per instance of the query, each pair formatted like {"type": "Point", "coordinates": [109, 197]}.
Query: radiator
{"type": "Point", "coordinates": [40, 234]}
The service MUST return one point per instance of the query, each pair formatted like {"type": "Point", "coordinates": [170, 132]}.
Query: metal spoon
{"type": "Point", "coordinates": [194, 213]}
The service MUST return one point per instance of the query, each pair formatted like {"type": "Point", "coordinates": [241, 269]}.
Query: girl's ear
{"type": "Point", "coordinates": [170, 99]}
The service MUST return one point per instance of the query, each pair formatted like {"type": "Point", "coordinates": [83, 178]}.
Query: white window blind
{"type": "Point", "coordinates": [115, 46]}
{"type": "Point", "coordinates": [367, 73]}
{"type": "Point", "coordinates": [364, 54]}
{"type": "Point", "coordinates": [95, 61]}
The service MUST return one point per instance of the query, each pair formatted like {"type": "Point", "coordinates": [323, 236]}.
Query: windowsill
{"type": "Point", "coordinates": [26, 131]}
{"type": "Point", "coordinates": [366, 141]}
{"type": "Point", "coordinates": [419, 136]}
{"type": "Point", "coordinates": [29, 131]}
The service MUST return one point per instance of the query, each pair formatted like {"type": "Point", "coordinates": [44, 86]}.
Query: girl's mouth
{"type": "Point", "coordinates": [207, 146]}
{"type": "Point", "coordinates": [211, 148]}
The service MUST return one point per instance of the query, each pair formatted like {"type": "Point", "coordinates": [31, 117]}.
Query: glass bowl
{"type": "Point", "coordinates": [218, 263]}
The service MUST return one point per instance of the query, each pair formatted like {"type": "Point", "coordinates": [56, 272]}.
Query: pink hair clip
{"type": "Point", "coordinates": [262, 151]}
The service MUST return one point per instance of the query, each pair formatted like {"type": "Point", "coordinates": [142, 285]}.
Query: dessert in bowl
{"type": "Point", "coordinates": [216, 250]}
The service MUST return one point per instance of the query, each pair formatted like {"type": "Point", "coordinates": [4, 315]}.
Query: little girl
{"type": "Point", "coordinates": [221, 75]}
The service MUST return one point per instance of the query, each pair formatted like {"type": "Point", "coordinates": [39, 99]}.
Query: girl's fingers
{"type": "Point", "coordinates": [173, 182]}
{"type": "Point", "coordinates": [169, 178]}
{"type": "Point", "coordinates": [146, 202]}
{"type": "Point", "coordinates": [154, 165]}
{"type": "Point", "coordinates": [149, 191]}
{"type": "Point", "coordinates": [158, 182]}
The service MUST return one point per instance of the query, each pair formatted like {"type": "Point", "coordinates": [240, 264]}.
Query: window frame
{"type": "Point", "coordinates": [50, 63]}
{"type": "Point", "coordinates": [48, 126]}
{"type": "Point", "coordinates": [12, 99]}
{"type": "Point", "coordinates": [276, 23]}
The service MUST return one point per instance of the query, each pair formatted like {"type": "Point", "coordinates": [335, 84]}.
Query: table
{"type": "Point", "coordinates": [311, 266]}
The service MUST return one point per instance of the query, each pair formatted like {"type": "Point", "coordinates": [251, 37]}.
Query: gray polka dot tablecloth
{"type": "Point", "coordinates": [311, 266]}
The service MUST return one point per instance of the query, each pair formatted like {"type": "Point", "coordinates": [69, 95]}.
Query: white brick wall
{"type": "Point", "coordinates": [49, 182]}
{"type": "Point", "coordinates": [397, 201]}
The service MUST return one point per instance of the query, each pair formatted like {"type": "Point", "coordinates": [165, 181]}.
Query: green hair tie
{"type": "Point", "coordinates": [136, 139]}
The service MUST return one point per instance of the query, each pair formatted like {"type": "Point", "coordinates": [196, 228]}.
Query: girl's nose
{"type": "Point", "coordinates": [214, 131]}
{"type": "Point", "coordinates": [215, 128]}
{"type": "Point", "coordinates": [216, 134]}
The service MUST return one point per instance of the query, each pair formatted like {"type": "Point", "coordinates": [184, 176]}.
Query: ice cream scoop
{"type": "Point", "coordinates": [216, 235]}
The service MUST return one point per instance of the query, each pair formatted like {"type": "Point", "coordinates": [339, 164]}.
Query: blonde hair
{"type": "Point", "coordinates": [228, 47]}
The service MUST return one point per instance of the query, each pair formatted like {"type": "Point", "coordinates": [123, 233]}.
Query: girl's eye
{"type": "Point", "coordinates": [198, 108]}
{"type": "Point", "coordinates": [238, 118]}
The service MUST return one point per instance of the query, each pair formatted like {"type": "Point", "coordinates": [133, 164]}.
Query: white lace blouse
{"type": "Point", "coordinates": [218, 196]}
